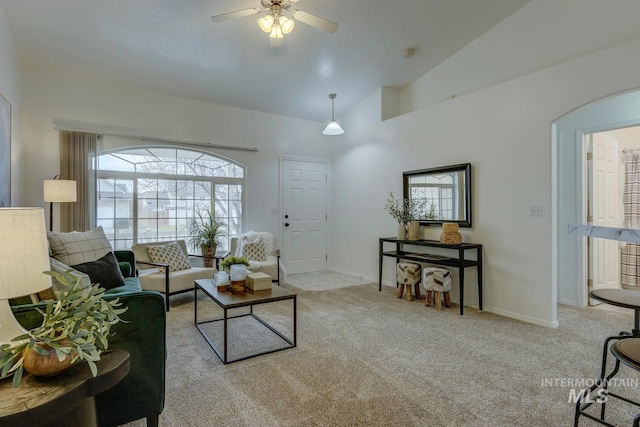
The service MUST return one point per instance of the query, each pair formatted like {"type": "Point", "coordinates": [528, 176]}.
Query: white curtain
{"type": "Point", "coordinates": [630, 270]}
{"type": "Point", "coordinates": [77, 154]}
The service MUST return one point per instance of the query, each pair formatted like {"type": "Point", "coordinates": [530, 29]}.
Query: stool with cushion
{"type": "Point", "coordinates": [408, 274]}
{"type": "Point", "coordinates": [437, 281]}
{"type": "Point", "coordinates": [627, 351]}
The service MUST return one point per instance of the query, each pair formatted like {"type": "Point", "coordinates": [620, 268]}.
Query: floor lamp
{"type": "Point", "coordinates": [24, 256]}
{"type": "Point", "coordinates": [58, 190]}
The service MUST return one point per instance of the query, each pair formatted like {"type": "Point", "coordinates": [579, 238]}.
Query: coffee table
{"type": "Point", "coordinates": [228, 301]}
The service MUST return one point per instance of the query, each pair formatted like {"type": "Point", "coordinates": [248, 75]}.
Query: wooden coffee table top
{"type": "Point", "coordinates": [230, 300]}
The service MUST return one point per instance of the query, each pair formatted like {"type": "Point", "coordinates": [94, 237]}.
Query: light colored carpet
{"type": "Point", "coordinates": [366, 358]}
{"type": "Point", "coordinates": [323, 280]}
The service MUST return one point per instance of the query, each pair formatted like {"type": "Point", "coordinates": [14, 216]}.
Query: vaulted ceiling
{"type": "Point", "coordinates": [173, 47]}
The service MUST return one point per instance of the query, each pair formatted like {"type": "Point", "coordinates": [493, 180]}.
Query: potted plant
{"type": "Point", "coordinates": [237, 266]}
{"type": "Point", "coordinates": [74, 327]}
{"type": "Point", "coordinates": [206, 233]}
{"type": "Point", "coordinates": [403, 211]}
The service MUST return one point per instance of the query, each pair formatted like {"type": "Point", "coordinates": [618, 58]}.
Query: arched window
{"type": "Point", "coordinates": [148, 194]}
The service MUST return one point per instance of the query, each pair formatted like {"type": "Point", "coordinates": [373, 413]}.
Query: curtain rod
{"type": "Point", "coordinates": [156, 139]}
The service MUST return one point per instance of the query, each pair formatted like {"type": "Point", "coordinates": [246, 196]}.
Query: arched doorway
{"type": "Point", "coordinates": [568, 186]}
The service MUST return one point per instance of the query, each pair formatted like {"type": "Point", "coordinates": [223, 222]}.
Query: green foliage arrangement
{"type": "Point", "coordinates": [405, 210]}
{"type": "Point", "coordinates": [231, 260]}
{"type": "Point", "coordinates": [77, 324]}
{"type": "Point", "coordinates": [402, 210]}
{"type": "Point", "coordinates": [205, 230]}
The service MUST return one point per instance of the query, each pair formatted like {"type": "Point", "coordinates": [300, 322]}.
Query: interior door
{"type": "Point", "coordinates": [304, 216]}
{"type": "Point", "coordinates": [604, 254]}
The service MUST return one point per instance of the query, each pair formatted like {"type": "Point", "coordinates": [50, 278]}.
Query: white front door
{"type": "Point", "coordinates": [604, 260]}
{"type": "Point", "coordinates": [304, 216]}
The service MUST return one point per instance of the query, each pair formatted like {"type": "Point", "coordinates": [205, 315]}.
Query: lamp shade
{"type": "Point", "coordinates": [333, 128]}
{"type": "Point", "coordinates": [24, 252]}
{"type": "Point", "coordinates": [60, 190]}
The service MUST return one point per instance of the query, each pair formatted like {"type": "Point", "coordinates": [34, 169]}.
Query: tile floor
{"type": "Point", "coordinates": [323, 280]}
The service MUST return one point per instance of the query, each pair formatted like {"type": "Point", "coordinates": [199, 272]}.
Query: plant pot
{"type": "Point", "coordinates": [208, 255]}
{"type": "Point", "coordinates": [238, 272]}
{"type": "Point", "coordinates": [44, 365]}
{"type": "Point", "coordinates": [402, 231]}
{"type": "Point", "coordinates": [238, 286]}
{"type": "Point", "coordinates": [413, 230]}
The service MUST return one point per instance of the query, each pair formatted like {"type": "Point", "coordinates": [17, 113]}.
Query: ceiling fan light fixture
{"type": "Point", "coordinates": [333, 128]}
{"type": "Point", "coordinates": [276, 31]}
{"type": "Point", "coordinates": [266, 23]}
{"type": "Point", "coordinates": [286, 24]}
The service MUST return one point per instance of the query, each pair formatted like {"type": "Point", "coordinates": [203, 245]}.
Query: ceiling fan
{"type": "Point", "coordinates": [280, 19]}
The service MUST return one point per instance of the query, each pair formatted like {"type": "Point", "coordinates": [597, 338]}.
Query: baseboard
{"type": "Point", "coordinates": [516, 316]}
{"type": "Point", "coordinates": [352, 274]}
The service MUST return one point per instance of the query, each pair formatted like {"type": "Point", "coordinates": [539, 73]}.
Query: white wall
{"type": "Point", "coordinates": [9, 88]}
{"type": "Point", "coordinates": [504, 131]}
{"type": "Point", "coordinates": [63, 94]}
{"type": "Point", "coordinates": [541, 34]}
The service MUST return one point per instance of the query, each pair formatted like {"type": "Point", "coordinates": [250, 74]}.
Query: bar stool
{"type": "Point", "coordinates": [627, 351]}
{"type": "Point", "coordinates": [408, 274]}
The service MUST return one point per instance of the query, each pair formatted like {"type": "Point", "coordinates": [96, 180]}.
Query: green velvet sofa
{"type": "Point", "coordinates": [141, 393]}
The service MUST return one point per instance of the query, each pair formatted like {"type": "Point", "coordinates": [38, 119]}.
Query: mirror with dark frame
{"type": "Point", "coordinates": [443, 194]}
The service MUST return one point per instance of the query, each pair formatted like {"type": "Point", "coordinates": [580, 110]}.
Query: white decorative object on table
{"type": "Point", "coordinates": [221, 278]}
{"type": "Point", "coordinates": [238, 272]}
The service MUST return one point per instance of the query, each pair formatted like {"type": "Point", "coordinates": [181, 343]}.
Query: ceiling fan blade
{"type": "Point", "coordinates": [237, 14]}
{"type": "Point", "coordinates": [315, 21]}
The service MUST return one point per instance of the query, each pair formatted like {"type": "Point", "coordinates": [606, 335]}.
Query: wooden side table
{"type": "Point", "coordinates": [63, 400]}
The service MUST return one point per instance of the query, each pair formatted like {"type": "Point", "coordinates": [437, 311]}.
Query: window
{"type": "Point", "coordinates": [150, 194]}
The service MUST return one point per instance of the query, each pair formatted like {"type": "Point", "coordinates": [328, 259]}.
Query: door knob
{"type": "Point", "coordinates": [286, 224]}
{"type": "Point", "coordinates": [286, 216]}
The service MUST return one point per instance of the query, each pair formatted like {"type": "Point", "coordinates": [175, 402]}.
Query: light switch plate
{"type": "Point", "coordinates": [535, 210]}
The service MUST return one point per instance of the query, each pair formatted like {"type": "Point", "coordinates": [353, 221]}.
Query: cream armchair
{"type": "Point", "coordinates": [271, 264]}
{"type": "Point", "coordinates": [159, 276]}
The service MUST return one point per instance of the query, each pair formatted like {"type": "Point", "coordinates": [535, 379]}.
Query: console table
{"type": "Point", "coordinates": [458, 260]}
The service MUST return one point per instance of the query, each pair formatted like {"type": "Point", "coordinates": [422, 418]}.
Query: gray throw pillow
{"type": "Point", "coordinates": [78, 247]}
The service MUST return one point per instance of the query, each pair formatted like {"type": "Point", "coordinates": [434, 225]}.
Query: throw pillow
{"type": "Point", "coordinates": [104, 272]}
{"type": "Point", "coordinates": [171, 254]}
{"type": "Point", "coordinates": [76, 247]}
{"type": "Point", "coordinates": [254, 250]}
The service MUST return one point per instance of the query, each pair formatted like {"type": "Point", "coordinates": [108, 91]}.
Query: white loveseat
{"type": "Point", "coordinates": [271, 265]}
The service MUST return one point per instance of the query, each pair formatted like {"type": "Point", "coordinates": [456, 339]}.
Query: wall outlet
{"type": "Point", "coordinates": [535, 210]}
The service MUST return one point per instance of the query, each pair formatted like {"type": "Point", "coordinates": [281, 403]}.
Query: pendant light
{"type": "Point", "coordinates": [333, 128]}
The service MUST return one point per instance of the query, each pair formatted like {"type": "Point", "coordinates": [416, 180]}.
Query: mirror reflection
{"type": "Point", "coordinates": [443, 194]}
